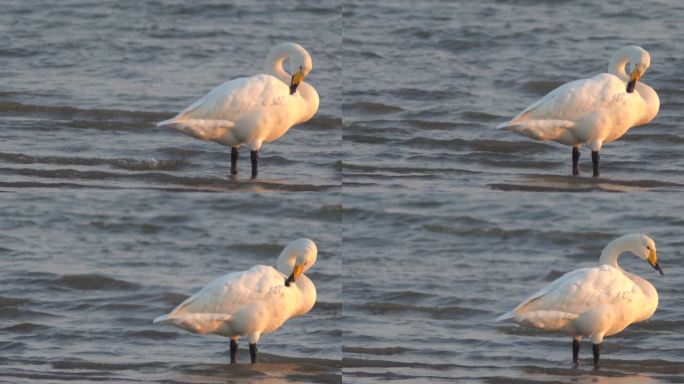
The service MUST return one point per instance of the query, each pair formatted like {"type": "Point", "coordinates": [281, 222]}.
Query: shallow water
{"type": "Point", "coordinates": [93, 245]}
{"type": "Point", "coordinates": [85, 273]}
{"type": "Point", "coordinates": [449, 223]}
{"type": "Point", "coordinates": [84, 83]}
{"type": "Point", "coordinates": [436, 270]}
{"type": "Point", "coordinates": [428, 82]}
{"type": "Point", "coordinates": [446, 221]}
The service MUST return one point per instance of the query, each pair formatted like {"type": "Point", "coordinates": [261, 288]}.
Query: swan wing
{"type": "Point", "coordinates": [574, 293]}
{"type": "Point", "coordinates": [226, 105]}
{"type": "Point", "coordinates": [566, 106]}
{"type": "Point", "coordinates": [220, 299]}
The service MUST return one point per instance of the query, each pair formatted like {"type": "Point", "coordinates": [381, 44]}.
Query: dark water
{"type": "Point", "coordinates": [93, 245]}
{"type": "Point", "coordinates": [449, 223]}
{"type": "Point", "coordinates": [436, 270]}
{"type": "Point", "coordinates": [83, 83]}
{"type": "Point", "coordinates": [85, 273]}
{"type": "Point", "coordinates": [427, 82]}
{"type": "Point", "coordinates": [429, 222]}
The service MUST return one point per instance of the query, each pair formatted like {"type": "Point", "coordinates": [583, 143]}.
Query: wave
{"type": "Point", "coordinates": [76, 114]}
{"type": "Point", "coordinates": [26, 328]}
{"type": "Point", "coordinates": [371, 107]}
{"type": "Point", "coordinates": [324, 123]}
{"type": "Point", "coordinates": [376, 351]}
{"type": "Point", "coordinates": [450, 312]}
{"type": "Point", "coordinates": [126, 164]}
{"type": "Point", "coordinates": [482, 145]}
{"type": "Point", "coordinates": [553, 183]}
{"type": "Point", "coordinates": [157, 180]}
{"type": "Point", "coordinates": [92, 282]}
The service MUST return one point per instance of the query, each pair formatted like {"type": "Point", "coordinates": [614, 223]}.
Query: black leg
{"type": "Point", "coordinates": [595, 161]}
{"type": "Point", "coordinates": [253, 352]}
{"type": "Point", "coordinates": [233, 351]}
{"type": "Point", "coordinates": [575, 160]}
{"type": "Point", "coordinates": [254, 156]}
{"type": "Point", "coordinates": [597, 351]}
{"type": "Point", "coordinates": [233, 160]}
{"type": "Point", "coordinates": [575, 351]}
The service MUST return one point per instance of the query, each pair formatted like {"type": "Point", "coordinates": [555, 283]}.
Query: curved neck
{"type": "Point", "coordinates": [286, 262]}
{"type": "Point", "coordinates": [617, 66]}
{"type": "Point", "coordinates": [613, 250]}
{"type": "Point", "coordinates": [274, 65]}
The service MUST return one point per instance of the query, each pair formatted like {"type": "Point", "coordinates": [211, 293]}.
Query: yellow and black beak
{"type": "Point", "coordinates": [653, 260]}
{"type": "Point", "coordinates": [633, 77]}
{"type": "Point", "coordinates": [296, 79]}
{"type": "Point", "coordinates": [296, 272]}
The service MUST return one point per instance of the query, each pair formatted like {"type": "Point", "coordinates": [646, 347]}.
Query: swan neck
{"type": "Point", "coordinates": [617, 66]}
{"type": "Point", "coordinates": [613, 250]}
{"type": "Point", "coordinates": [274, 65]}
{"type": "Point", "coordinates": [286, 262]}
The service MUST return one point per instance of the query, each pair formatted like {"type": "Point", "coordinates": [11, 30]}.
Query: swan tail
{"type": "Point", "coordinates": [505, 125]}
{"type": "Point", "coordinates": [506, 316]}
{"type": "Point", "coordinates": [203, 129]}
{"type": "Point", "coordinates": [167, 122]}
{"type": "Point", "coordinates": [549, 320]}
{"type": "Point", "coordinates": [540, 129]}
{"type": "Point", "coordinates": [196, 322]}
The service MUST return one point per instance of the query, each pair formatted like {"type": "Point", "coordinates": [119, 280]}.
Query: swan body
{"type": "Point", "coordinates": [252, 302]}
{"type": "Point", "coordinates": [594, 302]}
{"type": "Point", "coordinates": [593, 111]}
{"type": "Point", "coordinates": [254, 110]}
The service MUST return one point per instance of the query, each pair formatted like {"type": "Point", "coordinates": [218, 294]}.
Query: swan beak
{"type": "Point", "coordinates": [636, 75]}
{"type": "Point", "coordinates": [296, 79]}
{"type": "Point", "coordinates": [296, 272]}
{"type": "Point", "coordinates": [653, 260]}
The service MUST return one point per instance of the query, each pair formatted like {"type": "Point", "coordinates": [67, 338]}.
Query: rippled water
{"type": "Point", "coordinates": [83, 84]}
{"type": "Point", "coordinates": [93, 244]}
{"type": "Point", "coordinates": [449, 222]}
{"type": "Point", "coordinates": [426, 84]}
{"type": "Point", "coordinates": [436, 270]}
{"type": "Point", "coordinates": [85, 273]}
{"type": "Point", "coordinates": [441, 223]}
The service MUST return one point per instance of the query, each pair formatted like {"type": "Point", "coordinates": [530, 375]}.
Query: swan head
{"type": "Point", "coordinates": [296, 259]}
{"type": "Point", "coordinates": [300, 66]}
{"type": "Point", "coordinates": [637, 61]}
{"type": "Point", "coordinates": [644, 247]}
{"type": "Point", "coordinates": [299, 63]}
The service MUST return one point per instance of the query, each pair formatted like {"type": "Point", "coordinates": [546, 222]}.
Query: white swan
{"type": "Point", "coordinates": [594, 302]}
{"type": "Point", "coordinates": [254, 110]}
{"type": "Point", "coordinates": [252, 302]}
{"type": "Point", "coordinates": [593, 111]}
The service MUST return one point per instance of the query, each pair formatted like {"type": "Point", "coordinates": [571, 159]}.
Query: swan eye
{"type": "Point", "coordinates": [648, 247]}
{"type": "Point", "coordinates": [300, 67]}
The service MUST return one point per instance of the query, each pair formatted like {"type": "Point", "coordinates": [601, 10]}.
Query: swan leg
{"type": "Point", "coordinates": [575, 351]}
{"type": "Point", "coordinates": [253, 352]}
{"type": "Point", "coordinates": [575, 160]}
{"type": "Point", "coordinates": [233, 160]}
{"type": "Point", "coordinates": [254, 156]}
{"type": "Point", "coordinates": [596, 348]}
{"type": "Point", "coordinates": [233, 351]}
{"type": "Point", "coordinates": [595, 161]}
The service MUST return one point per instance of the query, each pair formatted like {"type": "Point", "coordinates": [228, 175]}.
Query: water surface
{"type": "Point", "coordinates": [85, 273]}
{"type": "Point", "coordinates": [84, 83]}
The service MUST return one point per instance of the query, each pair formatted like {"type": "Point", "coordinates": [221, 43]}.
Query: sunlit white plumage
{"type": "Point", "coordinates": [594, 302]}
{"type": "Point", "coordinates": [254, 110]}
{"type": "Point", "coordinates": [596, 110]}
{"type": "Point", "coordinates": [252, 302]}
